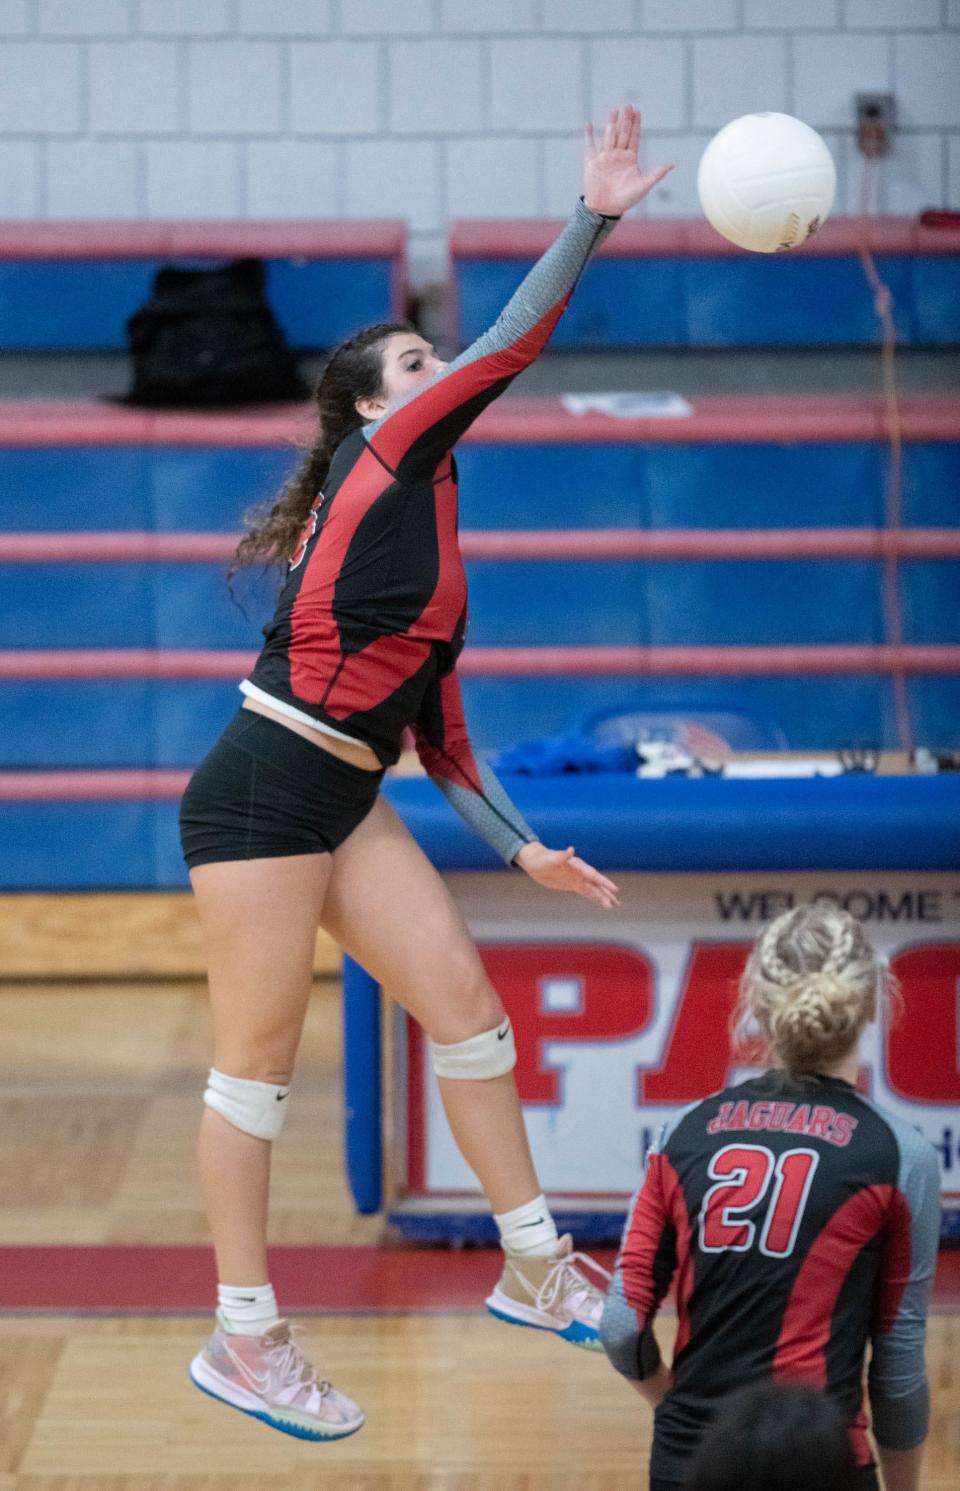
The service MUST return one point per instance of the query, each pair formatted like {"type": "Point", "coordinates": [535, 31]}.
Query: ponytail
{"type": "Point", "coordinates": [354, 371]}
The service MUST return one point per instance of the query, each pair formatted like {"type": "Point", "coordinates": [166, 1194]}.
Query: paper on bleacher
{"type": "Point", "coordinates": [626, 405]}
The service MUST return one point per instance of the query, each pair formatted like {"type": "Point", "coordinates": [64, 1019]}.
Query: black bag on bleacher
{"type": "Point", "coordinates": [208, 338]}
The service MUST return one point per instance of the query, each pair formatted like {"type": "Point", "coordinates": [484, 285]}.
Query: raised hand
{"type": "Point", "coordinates": [612, 179]}
{"type": "Point", "coordinates": [560, 869]}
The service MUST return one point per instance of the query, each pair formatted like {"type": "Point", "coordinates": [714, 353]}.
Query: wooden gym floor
{"type": "Point", "coordinates": [99, 1100]}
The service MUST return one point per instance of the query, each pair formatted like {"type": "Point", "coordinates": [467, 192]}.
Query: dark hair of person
{"type": "Point", "coordinates": [353, 371]}
{"type": "Point", "coordinates": [774, 1436]}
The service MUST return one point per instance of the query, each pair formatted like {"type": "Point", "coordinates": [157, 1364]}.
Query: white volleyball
{"type": "Point", "coordinates": [766, 182]}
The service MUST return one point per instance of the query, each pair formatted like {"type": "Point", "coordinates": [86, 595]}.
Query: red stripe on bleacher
{"type": "Point", "coordinates": [750, 420]}
{"type": "Point", "coordinates": [268, 238]}
{"type": "Point", "coordinates": [528, 238]}
{"type": "Point", "coordinates": [511, 662]}
{"type": "Point", "coordinates": [529, 543]}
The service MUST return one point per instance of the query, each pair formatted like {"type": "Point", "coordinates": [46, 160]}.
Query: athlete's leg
{"type": "Point", "coordinates": [387, 907]}
{"type": "Point", "coordinates": [259, 919]}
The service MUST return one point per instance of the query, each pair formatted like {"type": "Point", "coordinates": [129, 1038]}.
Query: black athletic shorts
{"type": "Point", "coordinates": [264, 791]}
{"type": "Point", "coordinates": [866, 1481]}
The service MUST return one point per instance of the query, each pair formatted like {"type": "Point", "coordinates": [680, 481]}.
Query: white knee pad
{"type": "Point", "coordinates": [257, 1108]}
{"type": "Point", "coordinates": [491, 1054]}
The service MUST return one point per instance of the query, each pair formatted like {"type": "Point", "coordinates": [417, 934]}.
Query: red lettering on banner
{"type": "Point", "coordinates": [608, 988]}
{"type": "Point", "coordinates": [922, 1044]}
{"type": "Point", "coordinates": [698, 1048]}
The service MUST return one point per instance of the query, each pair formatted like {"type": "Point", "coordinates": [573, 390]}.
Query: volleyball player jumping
{"type": "Point", "coordinates": [283, 826]}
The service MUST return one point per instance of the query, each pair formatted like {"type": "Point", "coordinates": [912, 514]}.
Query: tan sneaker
{"type": "Point", "coordinates": [269, 1378]}
{"type": "Point", "coordinates": [552, 1294]}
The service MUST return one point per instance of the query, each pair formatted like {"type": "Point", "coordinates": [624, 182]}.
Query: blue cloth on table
{"type": "Point", "coordinates": [561, 755]}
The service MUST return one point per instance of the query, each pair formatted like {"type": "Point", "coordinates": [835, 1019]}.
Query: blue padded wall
{"type": "Point", "coordinates": [77, 303]}
{"type": "Point", "coordinates": [752, 300]}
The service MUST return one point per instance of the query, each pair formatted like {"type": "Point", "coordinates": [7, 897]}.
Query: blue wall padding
{"type": "Point", "coordinates": [362, 1101]}
{"type": "Point", "coordinates": [168, 723]}
{"type": "Point", "coordinates": [670, 602]}
{"type": "Point", "coordinates": [814, 713]}
{"type": "Point", "coordinates": [58, 488]}
{"type": "Point", "coordinates": [754, 300]}
{"type": "Point", "coordinates": [935, 710]}
{"type": "Point", "coordinates": [100, 723]}
{"type": "Point", "coordinates": [577, 603]}
{"type": "Point", "coordinates": [931, 599]}
{"type": "Point", "coordinates": [936, 299]}
{"type": "Point", "coordinates": [833, 485]}
{"type": "Point", "coordinates": [847, 823]}
{"type": "Point", "coordinates": [84, 605]}
{"type": "Point", "coordinates": [130, 488]}
{"type": "Point", "coordinates": [199, 489]}
{"type": "Point", "coordinates": [78, 303]}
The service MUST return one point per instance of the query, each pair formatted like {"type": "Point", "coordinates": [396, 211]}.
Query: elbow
{"type": "Point", "coordinates": [900, 1422]}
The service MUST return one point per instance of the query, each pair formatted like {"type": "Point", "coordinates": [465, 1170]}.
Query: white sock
{"type": "Point", "coordinates": [529, 1230]}
{"type": "Point", "coordinates": [247, 1312]}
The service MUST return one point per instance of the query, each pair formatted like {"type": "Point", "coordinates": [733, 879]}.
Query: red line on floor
{"type": "Point", "coordinates": [137, 1279]}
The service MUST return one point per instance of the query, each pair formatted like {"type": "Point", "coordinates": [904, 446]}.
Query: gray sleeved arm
{"type": "Point", "coordinates": [468, 783]}
{"type": "Point", "coordinates": [415, 432]}
{"type": "Point", "coordinates": [897, 1380]}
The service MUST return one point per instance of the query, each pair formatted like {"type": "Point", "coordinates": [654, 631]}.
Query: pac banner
{"type": "Point", "coordinates": [622, 1018]}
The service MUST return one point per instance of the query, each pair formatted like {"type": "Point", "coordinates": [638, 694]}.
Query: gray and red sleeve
{"type": "Point", "coordinates": [645, 1266]}
{"type": "Point", "coordinates": [897, 1379]}
{"type": "Point", "coordinates": [469, 785]}
{"type": "Point", "coordinates": [411, 437]}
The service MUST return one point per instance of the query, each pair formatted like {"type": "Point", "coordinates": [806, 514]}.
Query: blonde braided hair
{"type": "Point", "coordinates": [811, 983]}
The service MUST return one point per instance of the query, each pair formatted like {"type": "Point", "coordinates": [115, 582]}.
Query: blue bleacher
{"type": "Point", "coordinates": [676, 283]}
{"type": "Point", "coordinates": [70, 286]}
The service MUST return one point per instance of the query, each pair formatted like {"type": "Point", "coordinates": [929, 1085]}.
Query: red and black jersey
{"type": "Point", "coordinates": [373, 614]}
{"type": "Point", "coordinates": [800, 1222]}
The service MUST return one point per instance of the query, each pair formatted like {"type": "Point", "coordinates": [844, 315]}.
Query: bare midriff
{"type": "Point", "coordinates": [357, 755]}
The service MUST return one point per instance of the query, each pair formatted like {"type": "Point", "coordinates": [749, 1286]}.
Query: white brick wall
{"type": "Point", "coordinates": [435, 87]}
{"type": "Point", "coordinates": [651, 74]}
{"type": "Point", "coordinates": [94, 178]}
{"type": "Point", "coordinates": [491, 17]}
{"type": "Point", "coordinates": [927, 79]}
{"type": "Point", "coordinates": [690, 15]}
{"type": "Point", "coordinates": [495, 177]}
{"type": "Point", "coordinates": [20, 179]}
{"type": "Point", "coordinates": [830, 69]}
{"type": "Point", "coordinates": [193, 178]}
{"type": "Point", "coordinates": [39, 88]}
{"type": "Point", "coordinates": [432, 109]}
{"type": "Point", "coordinates": [93, 18]}
{"type": "Point", "coordinates": [587, 15]}
{"type": "Point", "coordinates": [892, 15]}
{"type": "Point", "coordinates": [15, 18]}
{"type": "Point", "coordinates": [181, 17]}
{"type": "Point", "coordinates": [336, 88]}
{"type": "Point", "coordinates": [775, 15]}
{"type": "Point", "coordinates": [286, 17]}
{"type": "Point", "coordinates": [385, 17]}
{"type": "Point", "coordinates": [293, 178]}
{"type": "Point", "coordinates": [734, 75]}
{"type": "Point", "coordinates": [135, 87]}
{"type": "Point", "coordinates": [537, 85]}
{"type": "Point", "coordinates": [233, 87]}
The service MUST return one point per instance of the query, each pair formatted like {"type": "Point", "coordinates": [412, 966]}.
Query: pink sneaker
{"type": "Point", "coordinates": [268, 1378]}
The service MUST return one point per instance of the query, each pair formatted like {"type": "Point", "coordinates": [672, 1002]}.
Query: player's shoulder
{"type": "Point", "coordinates": [917, 1154]}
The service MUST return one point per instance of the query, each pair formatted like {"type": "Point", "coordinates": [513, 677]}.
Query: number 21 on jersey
{"type": "Point", "coordinates": [742, 1174]}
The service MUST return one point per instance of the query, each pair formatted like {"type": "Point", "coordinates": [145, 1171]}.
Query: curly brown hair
{"type": "Point", "coordinates": [353, 371]}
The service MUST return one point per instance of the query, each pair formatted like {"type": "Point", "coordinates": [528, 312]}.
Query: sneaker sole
{"type": "Point", "coordinates": [292, 1423]}
{"type": "Point", "coordinates": [576, 1332]}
